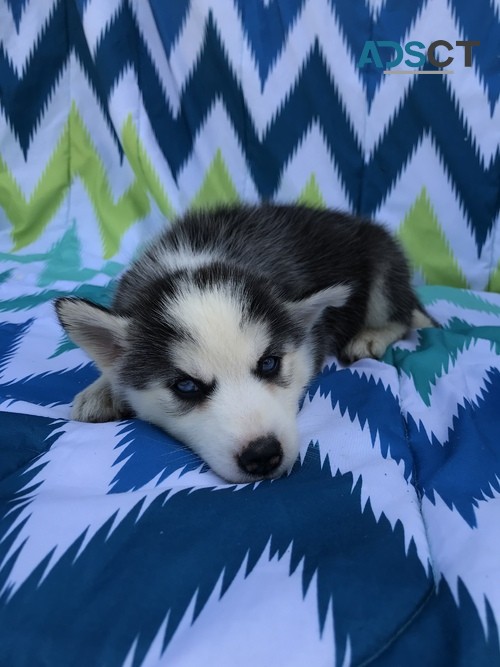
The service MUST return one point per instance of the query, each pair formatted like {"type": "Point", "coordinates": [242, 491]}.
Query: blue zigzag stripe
{"type": "Point", "coordinates": [470, 455]}
{"type": "Point", "coordinates": [367, 399]}
{"type": "Point", "coordinates": [367, 184]}
{"type": "Point", "coordinates": [148, 452]}
{"type": "Point", "coordinates": [145, 546]}
{"type": "Point", "coordinates": [213, 79]}
{"type": "Point", "coordinates": [56, 388]}
{"type": "Point", "coordinates": [437, 635]}
{"type": "Point", "coordinates": [169, 23]}
{"type": "Point", "coordinates": [10, 337]}
{"type": "Point", "coordinates": [396, 17]}
{"type": "Point", "coordinates": [267, 28]}
{"type": "Point", "coordinates": [358, 25]}
{"type": "Point", "coordinates": [22, 441]}
{"type": "Point", "coordinates": [17, 8]}
{"type": "Point", "coordinates": [82, 6]}
{"type": "Point", "coordinates": [62, 35]}
{"type": "Point", "coordinates": [477, 185]}
{"type": "Point", "coordinates": [473, 18]}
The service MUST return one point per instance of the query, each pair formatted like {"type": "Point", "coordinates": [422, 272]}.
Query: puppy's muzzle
{"type": "Point", "coordinates": [261, 457]}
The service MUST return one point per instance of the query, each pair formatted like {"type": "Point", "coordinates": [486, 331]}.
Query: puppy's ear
{"type": "Point", "coordinates": [102, 334]}
{"type": "Point", "coordinates": [310, 309]}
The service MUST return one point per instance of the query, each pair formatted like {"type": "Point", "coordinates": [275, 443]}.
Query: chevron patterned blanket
{"type": "Point", "coordinates": [118, 546]}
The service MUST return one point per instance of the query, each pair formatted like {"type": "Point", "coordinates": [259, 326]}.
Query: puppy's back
{"type": "Point", "coordinates": [298, 249]}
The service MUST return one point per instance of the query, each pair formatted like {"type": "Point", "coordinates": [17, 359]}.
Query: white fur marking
{"type": "Point", "coordinates": [224, 344]}
{"type": "Point", "coordinates": [182, 258]}
{"type": "Point", "coordinates": [373, 342]}
{"type": "Point", "coordinates": [377, 312]}
{"type": "Point", "coordinates": [420, 320]}
{"type": "Point", "coordinates": [225, 348]}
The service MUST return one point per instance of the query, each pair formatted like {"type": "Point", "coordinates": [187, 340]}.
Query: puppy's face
{"type": "Point", "coordinates": [228, 382]}
{"type": "Point", "coordinates": [220, 364]}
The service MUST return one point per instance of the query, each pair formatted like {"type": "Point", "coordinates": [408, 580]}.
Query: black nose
{"type": "Point", "coordinates": [261, 456]}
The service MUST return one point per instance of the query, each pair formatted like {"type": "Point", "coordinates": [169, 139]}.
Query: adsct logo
{"type": "Point", "coordinates": [376, 52]}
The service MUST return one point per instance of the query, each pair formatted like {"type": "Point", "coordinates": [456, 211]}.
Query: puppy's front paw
{"type": "Point", "coordinates": [97, 403]}
{"type": "Point", "coordinates": [366, 344]}
{"type": "Point", "coordinates": [372, 343]}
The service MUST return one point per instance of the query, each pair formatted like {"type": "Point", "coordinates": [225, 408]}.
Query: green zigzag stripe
{"type": "Point", "coordinates": [75, 155]}
{"type": "Point", "coordinates": [426, 245]}
{"type": "Point", "coordinates": [494, 281]}
{"type": "Point", "coordinates": [311, 194]}
{"type": "Point", "coordinates": [144, 170]}
{"type": "Point", "coordinates": [420, 232]}
{"type": "Point", "coordinates": [217, 186]}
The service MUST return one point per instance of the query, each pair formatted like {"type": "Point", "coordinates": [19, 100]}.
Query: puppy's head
{"type": "Point", "coordinates": [216, 358]}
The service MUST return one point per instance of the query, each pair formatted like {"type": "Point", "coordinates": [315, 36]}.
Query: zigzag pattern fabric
{"type": "Point", "coordinates": [154, 110]}
{"type": "Point", "coordinates": [118, 546]}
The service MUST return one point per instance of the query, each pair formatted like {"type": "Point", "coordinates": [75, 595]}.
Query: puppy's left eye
{"type": "Point", "coordinates": [269, 366]}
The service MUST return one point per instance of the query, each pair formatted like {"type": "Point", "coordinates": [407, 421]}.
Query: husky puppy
{"type": "Point", "coordinates": [218, 327]}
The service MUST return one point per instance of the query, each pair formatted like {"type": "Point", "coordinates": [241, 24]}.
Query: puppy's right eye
{"type": "Point", "coordinates": [191, 389]}
{"type": "Point", "coordinates": [187, 388]}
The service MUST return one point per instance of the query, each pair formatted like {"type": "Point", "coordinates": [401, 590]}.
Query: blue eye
{"type": "Point", "coordinates": [268, 366]}
{"type": "Point", "coordinates": [186, 388]}
{"type": "Point", "coordinates": [191, 389]}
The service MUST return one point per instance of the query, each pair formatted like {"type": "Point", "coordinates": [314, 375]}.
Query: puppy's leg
{"type": "Point", "coordinates": [422, 320]}
{"type": "Point", "coordinates": [373, 342]}
{"type": "Point", "coordinates": [97, 403]}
